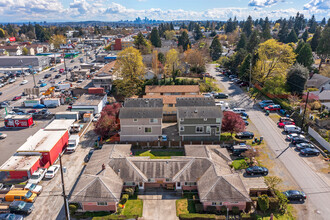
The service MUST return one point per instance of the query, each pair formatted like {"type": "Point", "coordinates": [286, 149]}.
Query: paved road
{"type": "Point", "coordinates": [314, 184]}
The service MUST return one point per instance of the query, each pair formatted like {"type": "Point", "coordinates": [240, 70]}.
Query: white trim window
{"type": "Point", "coordinates": [208, 129]}
{"type": "Point", "coordinates": [218, 129]}
{"type": "Point", "coordinates": [102, 203]}
{"type": "Point", "coordinates": [153, 120]}
{"type": "Point", "coordinates": [216, 203]}
{"type": "Point", "coordinates": [135, 120]}
{"type": "Point", "coordinates": [190, 183]}
{"type": "Point", "coordinates": [147, 130]}
{"type": "Point", "coordinates": [218, 120]}
{"type": "Point", "coordinates": [199, 129]}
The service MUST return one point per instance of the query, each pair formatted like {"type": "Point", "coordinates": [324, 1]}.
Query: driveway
{"type": "Point", "coordinates": [156, 208]}
{"type": "Point", "coordinates": [312, 182]}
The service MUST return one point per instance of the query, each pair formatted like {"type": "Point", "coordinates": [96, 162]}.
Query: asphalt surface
{"type": "Point", "coordinates": [314, 184]}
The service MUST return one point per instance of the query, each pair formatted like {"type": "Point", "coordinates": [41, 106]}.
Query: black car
{"type": "Point", "coordinates": [310, 151]}
{"type": "Point", "coordinates": [221, 96]}
{"type": "Point", "coordinates": [256, 170]}
{"type": "Point", "coordinates": [89, 155]}
{"type": "Point", "coordinates": [47, 75]}
{"type": "Point", "coordinates": [21, 207]}
{"type": "Point", "coordinates": [57, 76]}
{"type": "Point", "coordinates": [237, 150]}
{"type": "Point", "coordinates": [298, 140]}
{"type": "Point", "coordinates": [9, 216]}
{"type": "Point", "coordinates": [245, 134]}
{"type": "Point", "coordinates": [18, 110]}
{"type": "Point", "coordinates": [295, 195]}
{"type": "Point", "coordinates": [301, 146]}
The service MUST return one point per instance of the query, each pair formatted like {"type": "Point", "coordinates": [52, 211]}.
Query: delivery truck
{"type": "Point", "coordinates": [73, 143]}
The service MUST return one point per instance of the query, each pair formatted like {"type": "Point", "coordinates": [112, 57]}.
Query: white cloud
{"type": "Point", "coordinates": [81, 5]}
{"type": "Point", "coordinates": [317, 5]}
{"type": "Point", "coordinates": [263, 3]}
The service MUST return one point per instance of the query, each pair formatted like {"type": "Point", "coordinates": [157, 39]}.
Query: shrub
{"type": "Point", "coordinates": [199, 208]}
{"type": "Point", "coordinates": [197, 216]}
{"type": "Point", "coordinates": [73, 208]}
{"type": "Point", "coordinates": [263, 202]}
{"type": "Point", "coordinates": [124, 199]}
{"type": "Point", "coordinates": [223, 209]}
{"type": "Point", "coordinates": [129, 191]}
{"type": "Point", "coordinates": [120, 210]}
{"type": "Point", "coordinates": [211, 209]}
{"type": "Point", "coordinates": [245, 216]}
{"type": "Point", "coordinates": [235, 210]}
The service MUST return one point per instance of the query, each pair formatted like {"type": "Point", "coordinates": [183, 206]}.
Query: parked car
{"type": "Point", "coordinates": [52, 105]}
{"type": "Point", "coordinates": [37, 189]}
{"type": "Point", "coordinates": [298, 140]}
{"type": "Point", "coordinates": [41, 81]}
{"type": "Point", "coordinates": [246, 122]}
{"type": "Point", "coordinates": [89, 155]}
{"type": "Point", "coordinates": [24, 82]}
{"type": "Point", "coordinates": [256, 170]}
{"type": "Point", "coordinates": [47, 75]}
{"type": "Point", "coordinates": [21, 207]}
{"type": "Point", "coordinates": [52, 170]}
{"type": "Point", "coordinates": [244, 114]}
{"type": "Point", "coordinates": [18, 110]}
{"type": "Point", "coordinates": [221, 96]}
{"type": "Point", "coordinates": [96, 117]}
{"type": "Point", "coordinates": [238, 149]}
{"type": "Point", "coordinates": [43, 84]}
{"type": "Point", "coordinates": [32, 111]}
{"type": "Point", "coordinates": [51, 69]}
{"type": "Point", "coordinates": [270, 102]}
{"type": "Point", "coordinates": [289, 137]}
{"type": "Point", "coordinates": [292, 129]}
{"type": "Point", "coordinates": [71, 61]}
{"type": "Point", "coordinates": [17, 98]}
{"type": "Point", "coordinates": [301, 146]}
{"type": "Point", "coordinates": [4, 104]}
{"type": "Point", "coordinates": [39, 106]}
{"type": "Point", "coordinates": [295, 195]}
{"type": "Point", "coordinates": [282, 124]}
{"type": "Point", "coordinates": [61, 71]}
{"type": "Point", "coordinates": [37, 176]}
{"type": "Point", "coordinates": [272, 108]}
{"type": "Point", "coordinates": [238, 110]}
{"type": "Point", "coordinates": [310, 151]}
{"type": "Point", "coordinates": [244, 84]}
{"type": "Point", "coordinates": [12, 80]}
{"type": "Point", "coordinates": [284, 119]}
{"type": "Point", "coordinates": [3, 136]}
{"type": "Point", "coordinates": [245, 134]}
{"type": "Point", "coordinates": [266, 104]}
{"type": "Point", "coordinates": [10, 216]}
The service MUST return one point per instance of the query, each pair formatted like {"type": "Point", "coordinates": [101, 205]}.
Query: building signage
{"type": "Point", "coordinates": [11, 39]}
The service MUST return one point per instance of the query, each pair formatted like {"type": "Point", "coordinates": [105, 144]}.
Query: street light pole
{"type": "Point", "coordinates": [21, 61]}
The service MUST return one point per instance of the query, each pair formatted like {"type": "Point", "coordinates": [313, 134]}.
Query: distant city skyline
{"type": "Point", "coordinates": [109, 10]}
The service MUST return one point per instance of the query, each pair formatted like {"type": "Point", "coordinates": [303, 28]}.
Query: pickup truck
{"type": "Point", "coordinates": [37, 176]}
{"type": "Point", "coordinates": [73, 143]}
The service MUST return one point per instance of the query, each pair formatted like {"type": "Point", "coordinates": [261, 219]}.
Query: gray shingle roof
{"type": "Point", "coordinates": [195, 101]}
{"type": "Point", "coordinates": [317, 80]}
{"type": "Point", "coordinates": [140, 113]}
{"type": "Point", "coordinates": [199, 112]}
{"type": "Point", "coordinates": [143, 103]}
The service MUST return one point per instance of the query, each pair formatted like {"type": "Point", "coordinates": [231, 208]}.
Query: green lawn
{"type": "Point", "coordinates": [158, 154]}
{"type": "Point", "coordinates": [186, 205]}
{"type": "Point", "coordinates": [133, 207]}
{"type": "Point", "coordinates": [239, 164]}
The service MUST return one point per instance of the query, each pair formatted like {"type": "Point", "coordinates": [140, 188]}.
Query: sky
{"type": "Point", "coordinates": [116, 10]}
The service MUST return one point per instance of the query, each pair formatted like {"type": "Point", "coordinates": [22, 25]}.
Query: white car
{"type": "Point", "coordinates": [37, 176]}
{"type": "Point", "coordinates": [41, 81]}
{"type": "Point", "coordinates": [290, 136]}
{"type": "Point", "coordinates": [96, 117]}
{"type": "Point", "coordinates": [3, 136]}
{"type": "Point", "coordinates": [12, 80]}
{"type": "Point", "coordinates": [33, 188]}
{"type": "Point", "coordinates": [24, 82]}
{"type": "Point", "coordinates": [208, 95]}
{"type": "Point", "coordinates": [52, 170]}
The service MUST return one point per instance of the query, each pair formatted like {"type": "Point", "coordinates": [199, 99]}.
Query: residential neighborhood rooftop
{"type": "Point", "coordinates": [171, 99]}
{"type": "Point", "coordinates": [143, 103]}
{"type": "Point", "coordinates": [195, 101]}
{"type": "Point", "coordinates": [88, 100]}
{"type": "Point", "coordinates": [140, 112]}
{"type": "Point", "coordinates": [199, 112]}
{"type": "Point", "coordinates": [317, 80]}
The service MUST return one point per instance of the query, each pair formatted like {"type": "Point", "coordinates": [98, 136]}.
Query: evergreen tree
{"type": "Point", "coordinates": [305, 56]}
{"type": "Point", "coordinates": [299, 22]}
{"type": "Point", "coordinates": [242, 42]}
{"type": "Point", "coordinates": [161, 58]}
{"type": "Point", "coordinates": [292, 37]}
{"type": "Point", "coordinates": [283, 33]}
{"type": "Point", "coordinates": [312, 24]}
{"type": "Point", "coordinates": [215, 49]}
{"type": "Point", "coordinates": [323, 22]}
{"type": "Point", "coordinates": [41, 33]}
{"type": "Point", "coordinates": [316, 38]}
{"type": "Point", "coordinates": [191, 26]}
{"type": "Point", "coordinates": [244, 68]}
{"type": "Point", "coordinates": [140, 41]}
{"type": "Point", "coordinates": [197, 32]}
{"type": "Point", "coordinates": [323, 48]}
{"type": "Point", "coordinates": [253, 41]}
{"type": "Point", "coordinates": [213, 34]}
{"type": "Point", "coordinates": [305, 35]}
{"type": "Point", "coordinates": [297, 78]}
{"type": "Point", "coordinates": [154, 38]}
{"type": "Point", "coordinates": [171, 26]}
{"type": "Point", "coordinates": [247, 28]}
{"type": "Point", "coordinates": [301, 43]}
{"type": "Point", "coordinates": [266, 30]}
{"type": "Point", "coordinates": [184, 41]}
{"type": "Point", "coordinates": [229, 26]}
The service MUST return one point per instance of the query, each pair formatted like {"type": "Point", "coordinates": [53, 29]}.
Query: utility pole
{"type": "Point", "coordinates": [66, 206]}
{"type": "Point", "coordinates": [303, 120]}
{"type": "Point", "coordinates": [34, 79]}
{"type": "Point", "coordinates": [66, 72]}
{"type": "Point", "coordinates": [21, 61]}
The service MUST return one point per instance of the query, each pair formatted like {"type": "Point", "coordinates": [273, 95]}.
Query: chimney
{"type": "Point", "coordinates": [103, 167]}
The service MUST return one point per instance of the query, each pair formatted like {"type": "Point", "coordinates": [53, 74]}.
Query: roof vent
{"type": "Point", "coordinates": [196, 111]}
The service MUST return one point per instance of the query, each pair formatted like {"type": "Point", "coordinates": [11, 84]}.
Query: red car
{"type": "Point", "coordinates": [272, 108]}
{"type": "Point", "coordinates": [17, 98]}
{"type": "Point", "coordinates": [61, 70]}
{"type": "Point", "coordinates": [282, 124]}
{"type": "Point", "coordinates": [33, 111]}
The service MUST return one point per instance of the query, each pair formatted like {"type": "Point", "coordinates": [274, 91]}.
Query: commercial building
{"type": "Point", "coordinates": [122, 43]}
{"type": "Point", "coordinates": [50, 143]}
{"type": "Point", "coordinates": [59, 124]}
{"type": "Point", "coordinates": [104, 77]}
{"type": "Point", "coordinates": [90, 103]}
{"type": "Point", "coordinates": [33, 62]}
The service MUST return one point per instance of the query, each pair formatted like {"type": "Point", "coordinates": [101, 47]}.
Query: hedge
{"type": "Point", "coordinates": [196, 216]}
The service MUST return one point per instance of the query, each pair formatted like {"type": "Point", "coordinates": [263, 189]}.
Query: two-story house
{"type": "Point", "coordinates": [141, 119]}
{"type": "Point", "coordinates": [104, 77]}
{"type": "Point", "coordinates": [198, 119]}
{"type": "Point", "coordinates": [34, 49]}
{"type": "Point", "coordinates": [13, 50]}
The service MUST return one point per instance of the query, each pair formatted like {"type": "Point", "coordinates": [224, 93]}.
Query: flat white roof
{"type": "Point", "coordinates": [66, 113]}
{"type": "Point", "coordinates": [59, 124]}
{"type": "Point", "coordinates": [42, 141]}
{"type": "Point", "coordinates": [19, 163]}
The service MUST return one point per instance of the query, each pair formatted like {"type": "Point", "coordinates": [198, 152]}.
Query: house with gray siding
{"type": "Point", "coordinates": [141, 119]}
{"type": "Point", "coordinates": [199, 123]}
